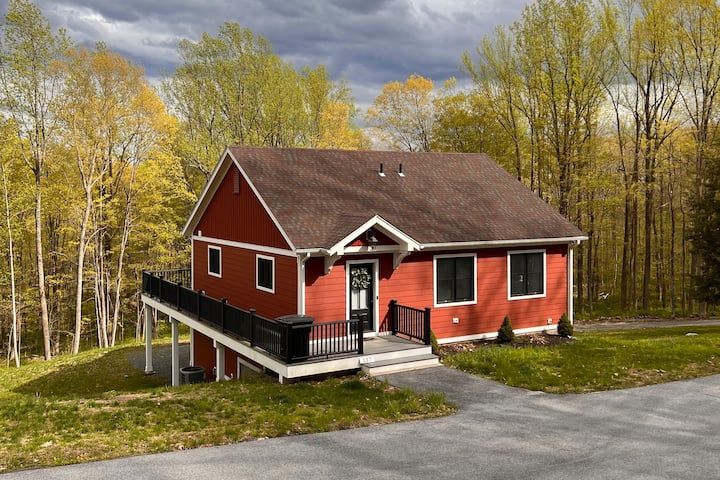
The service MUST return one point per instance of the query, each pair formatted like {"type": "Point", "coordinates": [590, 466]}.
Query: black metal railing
{"type": "Point", "coordinates": [291, 343]}
{"type": "Point", "coordinates": [410, 322]}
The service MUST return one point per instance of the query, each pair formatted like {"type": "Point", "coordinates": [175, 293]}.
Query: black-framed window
{"type": "Point", "coordinates": [454, 279]}
{"type": "Point", "coordinates": [214, 261]}
{"type": "Point", "coordinates": [265, 278]}
{"type": "Point", "coordinates": [527, 274]}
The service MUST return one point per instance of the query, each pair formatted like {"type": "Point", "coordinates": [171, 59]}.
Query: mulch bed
{"type": "Point", "coordinates": [532, 340]}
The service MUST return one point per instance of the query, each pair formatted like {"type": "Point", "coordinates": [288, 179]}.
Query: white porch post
{"type": "Point", "coordinates": [175, 353]}
{"type": "Point", "coordinates": [301, 259]}
{"type": "Point", "coordinates": [192, 346]}
{"type": "Point", "coordinates": [219, 361]}
{"type": "Point", "coordinates": [148, 340]}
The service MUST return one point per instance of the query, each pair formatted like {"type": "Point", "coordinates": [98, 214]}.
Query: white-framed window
{"type": "Point", "coordinates": [526, 274]}
{"type": "Point", "coordinates": [454, 278]}
{"type": "Point", "coordinates": [265, 273]}
{"type": "Point", "coordinates": [214, 261]}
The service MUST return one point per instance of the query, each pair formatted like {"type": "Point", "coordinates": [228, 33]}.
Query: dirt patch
{"type": "Point", "coordinates": [531, 340]}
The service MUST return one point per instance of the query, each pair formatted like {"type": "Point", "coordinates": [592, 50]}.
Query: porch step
{"type": "Point", "coordinates": [403, 364]}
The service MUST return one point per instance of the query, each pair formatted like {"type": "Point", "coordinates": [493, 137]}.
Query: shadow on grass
{"type": "Point", "coordinates": [90, 377]}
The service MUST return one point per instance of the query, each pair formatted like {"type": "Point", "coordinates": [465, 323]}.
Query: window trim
{"type": "Point", "coordinates": [262, 288]}
{"type": "Point", "coordinates": [217, 274]}
{"type": "Point", "coordinates": [512, 297]}
{"type": "Point", "coordinates": [475, 282]}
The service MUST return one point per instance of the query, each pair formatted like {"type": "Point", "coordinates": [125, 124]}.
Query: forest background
{"type": "Point", "coordinates": [607, 110]}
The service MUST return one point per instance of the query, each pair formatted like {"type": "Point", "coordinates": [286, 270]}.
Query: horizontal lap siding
{"type": "Point", "coordinates": [492, 298]}
{"type": "Point", "coordinates": [239, 217]}
{"type": "Point", "coordinates": [412, 285]}
{"type": "Point", "coordinates": [238, 280]}
{"type": "Point", "coordinates": [325, 294]}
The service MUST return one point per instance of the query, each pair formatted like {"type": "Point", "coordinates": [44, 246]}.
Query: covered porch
{"type": "Point", "coordinates": [288, 347]}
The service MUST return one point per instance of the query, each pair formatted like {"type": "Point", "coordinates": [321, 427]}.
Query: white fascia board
{"type": "Point", "coordinates": [262, 202]}
{"type": "Point", "coordinates": [503, 243]}
{"type": "Point", "coordinates": [208, 191]}
{"type": "Point", "coordinates": [404, 240]}
{"type": "Point", "coordinates": [312, 251]}
{"type": "Point", "coordinates": [211, 187]}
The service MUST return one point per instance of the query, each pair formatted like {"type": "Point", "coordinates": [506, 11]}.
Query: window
{"type": "Point", "coordinates": [265, 273]}
{"type": "Point", "coordinates": [214, 261]}
{"type": "Point", "coordinates": [455, 279]}
{"type": "Point", "coordinates": [527, 274]}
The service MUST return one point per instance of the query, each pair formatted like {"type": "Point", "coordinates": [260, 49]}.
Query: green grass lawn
{"type": "Point", "coordinates": [599, 360]}
{"type": "Point", "coordinates": [97, 406]}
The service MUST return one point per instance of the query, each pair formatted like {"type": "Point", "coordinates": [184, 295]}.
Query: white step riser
{"type": "Point", "coordinates": [396, 355]}
{"type": "Point", "coordinates": [400, 367]}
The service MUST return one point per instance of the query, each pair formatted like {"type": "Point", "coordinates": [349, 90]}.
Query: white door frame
{"type": "Point", "coordinates": [376, 289]}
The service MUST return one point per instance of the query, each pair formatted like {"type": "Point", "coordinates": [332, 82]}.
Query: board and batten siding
{"type": "Point", "coordinates": [240, 216]}
{"type": "Point", "coordinates": [412, 283]}
{"type": "Point", "coordinates": [204, 356]}
{"type": "Point", "coordinates": [237, 282]}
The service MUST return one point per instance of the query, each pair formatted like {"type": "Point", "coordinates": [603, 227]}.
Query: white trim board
{"type": "Point", "coordinates": [376, 289]}
{"type": "Point", "coordinates": [492, 335]}
{"type": "Point", "coordinates": [246, 246]}
{"type": "Point", "coordinates": [221, 169]}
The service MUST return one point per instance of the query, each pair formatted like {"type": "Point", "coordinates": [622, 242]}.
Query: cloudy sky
{"type": "Point", "coordinates": [367, 42]}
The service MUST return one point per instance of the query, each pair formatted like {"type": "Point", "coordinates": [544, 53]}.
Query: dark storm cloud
{"type": "Point", "coordinates": [368, 42]}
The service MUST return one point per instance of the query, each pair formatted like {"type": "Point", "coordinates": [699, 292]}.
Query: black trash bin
{"type": "Point", "coordinates": [192, 374]}
{"type": "Point", "coordinates": [299, 342]}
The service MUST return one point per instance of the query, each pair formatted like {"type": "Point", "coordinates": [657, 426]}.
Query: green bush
{"type": "Point", "coordinates": [564, 328]}
{"type": "Point", "coordinates": [434, 343]}
{"type": "Point", "coordinates": [505, 333]}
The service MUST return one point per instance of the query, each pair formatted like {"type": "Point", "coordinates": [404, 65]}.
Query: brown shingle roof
{"type": "Point", "coordinates": [320, 196]}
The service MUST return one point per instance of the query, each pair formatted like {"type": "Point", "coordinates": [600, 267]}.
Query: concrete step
{"type": "Point", "coordinates": [404, 364]}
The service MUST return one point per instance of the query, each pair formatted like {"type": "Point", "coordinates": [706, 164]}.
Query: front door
{"type": "Point", "coordinates": [362, 294]}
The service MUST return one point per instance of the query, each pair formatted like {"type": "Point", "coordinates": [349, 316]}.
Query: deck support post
{"type": "Point", "coordinates": [175, 353]}
{"type": "Point", "coordinates": [219, 361]}
{"type": "Point", "coordinates": [192, 346]}
{"type": "Point", "coordinates": [149, 370]}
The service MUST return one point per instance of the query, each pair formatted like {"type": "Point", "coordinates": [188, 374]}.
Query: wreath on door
{"type": "Point", "coordinates": [360, 279]}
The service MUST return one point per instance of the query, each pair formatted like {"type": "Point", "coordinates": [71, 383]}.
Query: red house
{"type": "Point", "coordinates": [333, 237]}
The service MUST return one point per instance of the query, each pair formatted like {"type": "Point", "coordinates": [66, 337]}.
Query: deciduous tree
{"type": "Point", "coordinates": [30, 82]}
{"type": "Point", "coordinates": [403, 114]}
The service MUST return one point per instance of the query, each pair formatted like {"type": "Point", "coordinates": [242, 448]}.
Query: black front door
{"type": "Point", "coordinates": [362, 294]}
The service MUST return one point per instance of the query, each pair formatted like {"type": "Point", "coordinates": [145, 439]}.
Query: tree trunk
{"type": "Point", "coordinates": [82, 248]}
{"type": "Point", "coordinates": [14, 337]}
{"type": "Point", "coordinates": [44, 316]}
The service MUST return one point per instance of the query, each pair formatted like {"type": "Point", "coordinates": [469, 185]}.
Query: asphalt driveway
{"type": "Point", "coordinates": [668, 431]}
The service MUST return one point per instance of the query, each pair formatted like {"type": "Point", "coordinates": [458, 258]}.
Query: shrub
{"type": "Point", "coordinates": [505, 333]}
{"type": "Point", "coordinates": [434, 343]}
{"type": "Point", "coordinates": [564, 328]}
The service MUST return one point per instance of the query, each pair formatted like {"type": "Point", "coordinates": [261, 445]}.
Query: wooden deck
{"type": "Point", "coordinates": [383, 348]}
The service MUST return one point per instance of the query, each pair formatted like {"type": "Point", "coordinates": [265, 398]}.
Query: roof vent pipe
{"type": "Point", "coordinates": [381, 173]}
{"type": "Point", "coordinates": [400, 172]}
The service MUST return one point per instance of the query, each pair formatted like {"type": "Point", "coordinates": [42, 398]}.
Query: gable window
{"type": "Point", "coordinates": [527, 274]}
{"type": "Point", "coordinates": [214, 261]}
{"type": "Point", "coordinates": [455, 279]}
{"type": "Point", "coordinates": [265, 273]}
